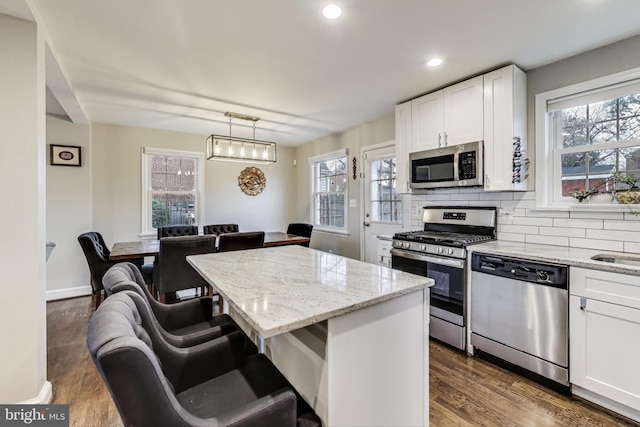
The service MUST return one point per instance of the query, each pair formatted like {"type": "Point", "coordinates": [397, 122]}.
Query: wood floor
{"type": "Point", "coordinates": [464, 391]}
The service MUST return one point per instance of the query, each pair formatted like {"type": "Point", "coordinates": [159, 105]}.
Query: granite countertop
{"type": "Point", "coordinates": [284, 288]}
{"type": "Point", "coordinates": [577, 257]}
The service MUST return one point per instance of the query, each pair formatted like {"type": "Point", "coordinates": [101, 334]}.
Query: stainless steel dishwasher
{"type": "Point", "coordinates": [519, 315]}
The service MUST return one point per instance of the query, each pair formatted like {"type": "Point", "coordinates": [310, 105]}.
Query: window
{"type": "Point", "coordinates": [171, 188]}
{"type": "Point", "coordinates": [592, 130]}
{"type": "Point", "coordinates": [386, 203]}
{"type": "Point", "coordinates": [329, 181]}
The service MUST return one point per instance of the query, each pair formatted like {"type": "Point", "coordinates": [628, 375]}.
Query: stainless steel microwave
{"type": "Point", "coordinates": [454, 166]}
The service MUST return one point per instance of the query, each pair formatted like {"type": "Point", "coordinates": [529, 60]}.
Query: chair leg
{"type": "Point", "coordinates": [98, 298]}
{"type": "Point", "coordinates": [219, 303]}
{"type": "Point", "coordinates": [163, 298]}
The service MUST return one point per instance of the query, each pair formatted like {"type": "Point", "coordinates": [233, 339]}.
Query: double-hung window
{"type": "Point", "coordinates": [329, 182]}
{"type": "Point", "coordinates": [591, 130]}
{"type": "Point", "coordinates": [172, 184]}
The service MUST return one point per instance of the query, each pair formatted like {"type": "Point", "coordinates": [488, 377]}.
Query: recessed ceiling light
{"type": "Point", "coordinates": [434, 62]}
{"type": "Point", "coordinates": [331, 11]}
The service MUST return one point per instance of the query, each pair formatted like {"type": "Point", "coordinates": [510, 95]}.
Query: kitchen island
{"type": "Point", "coordinates": [352, 337]}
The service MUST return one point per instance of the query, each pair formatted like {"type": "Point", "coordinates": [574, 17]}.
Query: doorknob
{"type": "Point", "coordinates": [366, 224]}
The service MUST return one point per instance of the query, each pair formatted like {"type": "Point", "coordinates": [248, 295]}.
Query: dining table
{"type": "Point", "coordinates": [143, 248]}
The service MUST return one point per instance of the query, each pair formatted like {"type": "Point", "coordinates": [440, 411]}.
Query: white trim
{"type": "Point", "coordinates": [363, 182]}
{"type": "Point", "coordinates": [79, 291]}
{"type": "Point", "coordinates": [343, 152]}
{"type": "Point", "coordinates": [328, 156]}
{"type": "Point", "coordinates": [547, 169]}
{"type": "Point", "coordinates": [145, 194]}
{"type": "Point", "coordinates": [44, 397]}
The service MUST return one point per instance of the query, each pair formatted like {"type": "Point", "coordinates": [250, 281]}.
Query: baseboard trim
{"type": "Point", "coordinates": [44, 397]}
{"type": "Point", "coordinates": [68, 293]}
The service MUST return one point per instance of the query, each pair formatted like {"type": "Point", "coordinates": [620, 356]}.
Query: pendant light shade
{"type": "Point", "coordinates": [234, 149]}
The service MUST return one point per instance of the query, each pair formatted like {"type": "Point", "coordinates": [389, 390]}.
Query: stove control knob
{"type": "Point", "coordinates": [439, 250]}
{"type": "Point", "coordinates": [407, 245]}
{"type": "Point", "coordinates": [423, 247]}
{"type": "Point", "coordinates": [450, 251]}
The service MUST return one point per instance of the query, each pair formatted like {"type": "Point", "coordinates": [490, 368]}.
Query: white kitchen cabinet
{"type": "Point", "coordinates": [403, 145]}
{"type": "Point", "coordinates": [450, 116]}
{"type": "Point", "coordinates": [604, 323]}
{"type": "Point", "coordinates": [505, 130]}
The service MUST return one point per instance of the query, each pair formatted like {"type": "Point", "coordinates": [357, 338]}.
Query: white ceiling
{"type": "Point", "coordinates": [179, 65]}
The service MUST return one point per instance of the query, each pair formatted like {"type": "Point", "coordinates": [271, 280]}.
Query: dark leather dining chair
{"type": "Point", "coordinates": [172, 271]}
{"type": "Point", "coordinates": [301, 229]}
{"type": "Point", "coordinates": [177, 230]}
{"type": "Point", "coordinates": [238, 241]}
{"type": "Point", "coordinates": [153, 383]}
{"type": "Point", "coordinates": [97, 254]}
{"type": "Point", "coordinates": [220, 228]}
{"type": "Point", "coordinates": [191, 320]}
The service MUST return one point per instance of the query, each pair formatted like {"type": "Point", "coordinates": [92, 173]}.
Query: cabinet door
{"type": "Point", "coordinates": [604, 349]}
{"type": "Point", "coordinates": [505, 113]}
{"type": "Point", "coordinates": [463, 112]}
{"type": "Point", "coordinates": [427, 122]}
{"type": "Point", "coordinates": [403, 143]}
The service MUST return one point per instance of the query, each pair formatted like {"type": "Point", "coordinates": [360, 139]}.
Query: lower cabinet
{"type": "Point", "coordinates": [604, 344]}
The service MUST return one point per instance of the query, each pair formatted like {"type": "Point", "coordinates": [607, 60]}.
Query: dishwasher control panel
{"type": "Point", "coordinates": [520, 269]}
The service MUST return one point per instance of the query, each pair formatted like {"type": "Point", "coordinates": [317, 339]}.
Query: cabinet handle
{"type": "Point", "coordinates": [583, 303]}
{"type": "Point", "coordinates": [445, 140]}
{"type": "Point", "coordinates": [439, 140]}
{"type": "Point", "coordinates": [486, 182]}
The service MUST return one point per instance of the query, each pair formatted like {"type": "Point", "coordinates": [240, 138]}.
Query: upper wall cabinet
{"type": "Point", "coordinates": [506, 164]}
{"type": "Point", "coordinates": [403, 143]}
{"type": "Point", "coordinates": [449, 116]}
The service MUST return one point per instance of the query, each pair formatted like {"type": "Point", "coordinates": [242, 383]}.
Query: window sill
{"type": "Point", "coordinates": [587, 207]}
{"type": "Point", "coordinates": [333, 231]}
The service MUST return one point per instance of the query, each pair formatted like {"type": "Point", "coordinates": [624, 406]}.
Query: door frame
{"type": "Point", "coordinates": [363, 182]}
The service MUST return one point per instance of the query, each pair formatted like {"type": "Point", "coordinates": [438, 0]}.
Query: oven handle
{"type": "Point", "coordinates": [456, 263]}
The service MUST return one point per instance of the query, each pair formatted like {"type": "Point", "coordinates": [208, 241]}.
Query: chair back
{"type": "Point", "coordinates": [300, 229]}
{"type": "Point", "coordinates": [177, 230]}
{"type": "Point", "coordinates": [238, 241]}
{"type": "Point", "coordinates": [220, 228]}
{"type": "Point", "coordinates": [97, 255]}
{"type": "Point", "coordinates": [173, 272]}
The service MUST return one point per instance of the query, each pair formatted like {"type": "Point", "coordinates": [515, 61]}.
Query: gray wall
{"type": "Point", "coordinates": [354, 139]}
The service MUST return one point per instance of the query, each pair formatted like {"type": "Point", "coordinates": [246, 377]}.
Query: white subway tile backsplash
{"type": "Point", "coordinates": [621, 225]}
{"type": "Point", "coordinates": [604, 245]}
{"type": "Point", "coordinates": [561, 231]}
{"type": "Point", "coordinates": [547, 240]}
{"type": "Point", "coordinates": [578, 223]}
{"type": "Point", "coordinates": [526, 220]}
{"type": "Point", "coordinates": [523, 229]}
{"type": "Point", "coordinates": [623, 236]}
{"type": "Point", "coordinates": [521, 222]}
{"type": "Point", "coordinates": [512, 237]}
{"type": "Point", "coordinates": [632, 247]}
{"type": "Point", "coordinates": [596, 215]}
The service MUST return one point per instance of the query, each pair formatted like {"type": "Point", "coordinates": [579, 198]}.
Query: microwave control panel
{"type": "Point", "coordinates": [467, 163]}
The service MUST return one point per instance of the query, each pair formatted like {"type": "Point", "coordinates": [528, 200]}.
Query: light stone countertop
{"type": "Point", "coordinates": [557, 254]}
{"type": "Point", "coordinates": [284, 288]}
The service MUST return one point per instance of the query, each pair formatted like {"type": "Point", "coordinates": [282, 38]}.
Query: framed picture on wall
{"type": "Point", "coordinates": [65, 155]}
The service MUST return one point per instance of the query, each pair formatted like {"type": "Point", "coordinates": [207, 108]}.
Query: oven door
{"type": "Point", "coordinates": [447, 294]}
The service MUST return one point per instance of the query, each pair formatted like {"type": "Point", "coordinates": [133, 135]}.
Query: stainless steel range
{"type": "Point", "coordinates": [439, 252]}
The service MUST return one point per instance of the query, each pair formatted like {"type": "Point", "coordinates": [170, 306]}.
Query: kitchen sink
{"type": "Point", "coordinates": [618, 259]}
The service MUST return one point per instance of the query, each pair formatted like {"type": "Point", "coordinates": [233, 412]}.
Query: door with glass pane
{"type": "Point", "coordinates": [382, 204]}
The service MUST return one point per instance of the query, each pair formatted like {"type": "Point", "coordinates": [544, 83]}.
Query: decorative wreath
{"type": "Point", "coordinates": [252, 181]}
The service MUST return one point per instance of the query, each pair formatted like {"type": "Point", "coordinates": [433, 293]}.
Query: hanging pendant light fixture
{"type": "Point", "coordinates": [236, 149]}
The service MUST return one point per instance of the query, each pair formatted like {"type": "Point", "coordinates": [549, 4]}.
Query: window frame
{"type": "Point", "coordinates": [548, 164]}
{"type": "Point", "coordinates": [313, 161]}
{"type": "Point", "coordinates": [147, 230]}
{"type": "Point", "coordinates": [368, 180]}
